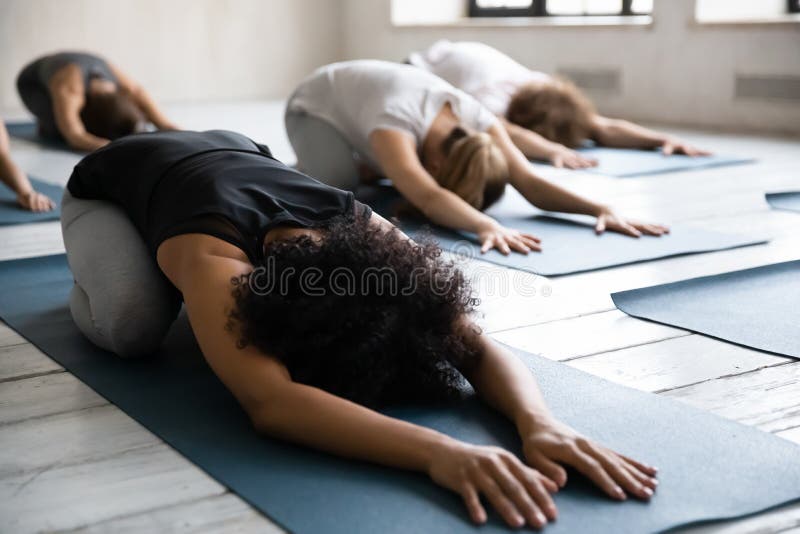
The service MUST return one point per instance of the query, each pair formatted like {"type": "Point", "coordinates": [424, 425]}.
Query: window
{"type": "Point", "coordinates": [745, 11]}
{"type": "Point", "coordinates": [543, 8]}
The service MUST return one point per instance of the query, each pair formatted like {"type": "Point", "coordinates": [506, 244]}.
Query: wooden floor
{"type": "Point", "coordinates": [70, 461]}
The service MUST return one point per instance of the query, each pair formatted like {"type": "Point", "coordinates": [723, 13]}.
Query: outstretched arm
{"type": "Point", "coordinates": [508, 385]}
{"type": "Point", "coordinates": [143, 100]}
{"type": "Point", "coordinates": [15, 179]}
{"type": "Point", "coordinates": [620, 133]}
{"type": "Point", "coordinates": [397, 155]}
{"type": "Point", "coordinates": [551, 197]}
{"type": "Point", "coordinates": [68, 95]}
{"type": "Point", "coordinates": [305, 415]}
{"type": "Point", "coordinates": [534, 146]}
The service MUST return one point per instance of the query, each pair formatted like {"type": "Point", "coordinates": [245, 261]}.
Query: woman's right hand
{"type": "Point", "coordinates": [520, 494]}
{"type": "Point", "coordinates": [495, 235]}
{"type": "Point", "coordinates": [562, 156]}
{"type": "Point", "coordinates": [35, 201]}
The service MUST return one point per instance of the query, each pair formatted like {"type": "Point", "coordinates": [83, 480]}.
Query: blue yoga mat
{"type": "Point", "coordinates": [787, 200]}
{"type": "Point", "coordinates": [568, 246]}
{"type": "Point", "coordinates": [12, 213]}
{"type": "Point", "coordinates": [628, 162]}
{"type": "Point", "coordinates": [28, 131]}
{"type": "Point", "coordinates": [756, 307]}
{"type": "Point", "coordinates": [711, 468]}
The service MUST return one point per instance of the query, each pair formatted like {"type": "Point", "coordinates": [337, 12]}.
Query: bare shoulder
{"type": "Point", "coordinates": [66, 80]}
{"type": "Point", "coordinates": [196, 260]}
{"type": "Point", "coordinates": [204, 268]}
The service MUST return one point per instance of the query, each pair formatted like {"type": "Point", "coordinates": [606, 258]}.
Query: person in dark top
{"type": "Point", "coordinates": [313, 311]}
{"type": "Point", "coordinates": [84, 100]}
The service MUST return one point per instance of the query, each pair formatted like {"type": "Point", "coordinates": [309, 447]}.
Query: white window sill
{"type": "Point", "coordinates": [788, 18]}
{"type": "Point", "coordinates": [539, 22]}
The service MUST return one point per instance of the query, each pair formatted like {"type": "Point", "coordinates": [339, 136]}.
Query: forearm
{"type": "Point", "coordinates": [312, 417]}
{"type": "Point", "coordinates": [445, 208]}
{"type": "Point", "coordinates": [623, 134]}
{"type": "Point", "coordinates": [507, 384]}
{"type": "Point", "coordinates": [536, 190]}
{"type": "Point", "coordinates": [531, 144]}
{"type": "Point", "coordinates": [551, 197]}
{"type": "Point", "coordinates": [85, 141]}
{"type": "Point", "coordinates": [12, 176]}
{"type": "Point", "coordinates": [153, 112]}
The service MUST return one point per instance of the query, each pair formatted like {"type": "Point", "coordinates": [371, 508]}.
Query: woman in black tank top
{"type": "Point", "coordinates": [312, 310]}
{"type": "Point", "coordinates": [84, 100]}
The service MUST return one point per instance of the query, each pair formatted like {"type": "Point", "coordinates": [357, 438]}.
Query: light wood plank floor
{"type": "Point", "coordinates": [70, 461]}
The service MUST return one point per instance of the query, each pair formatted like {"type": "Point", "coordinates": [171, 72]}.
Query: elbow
{"type": "Point", "coordinates": [266, 417]}
{"type": "Point", "coordinates": [74, 141]}
{"type": "Point", "coordinates": [269, 412]}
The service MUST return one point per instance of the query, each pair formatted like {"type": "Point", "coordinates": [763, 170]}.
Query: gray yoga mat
{"type": "Point", "coordinates": [12, 213]}
{"type": "Point", "coordinates": [756, 307]}
{"type": "Point", "coordinates": [629, 163]}
{"type": "Point", "coordinates": [568, 246]}
{"type": "Point", "coordinates": [710, 468]}
{"type": "Point", "coordinates": [787, 200]}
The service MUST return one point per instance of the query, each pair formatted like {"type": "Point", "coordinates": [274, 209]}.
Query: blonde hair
{"type": "Point", "coordinates": [557, 111]}
{"type": "Point", "coordinates": [475, 168]}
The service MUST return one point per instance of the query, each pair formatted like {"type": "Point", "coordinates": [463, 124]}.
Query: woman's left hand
{"type": "Point", "coordinates": [552, 445]}
{"type": "Point", "coordinates": [676, 146]}
{"type": "Point", "coordinates": [609, 220]}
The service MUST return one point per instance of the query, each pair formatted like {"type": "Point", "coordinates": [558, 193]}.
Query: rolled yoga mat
{"type": "Point", "coordinates": [710, 468]}
{"type": "Point", "coordinates": [756, 307]}
{"type": "Point", "coordinates": [788, 200]}
{"type": "Point", "coordinates": [12, 213]}
{"type": "Point", "coordinates": [568, 246]}
{"type": "Point", "coordinates": [629, 162]}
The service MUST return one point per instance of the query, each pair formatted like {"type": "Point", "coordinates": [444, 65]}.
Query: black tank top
{"type": "Point", "coordinates": [91, 67]}
{"type": "Point", "coordinates": [217, 183]}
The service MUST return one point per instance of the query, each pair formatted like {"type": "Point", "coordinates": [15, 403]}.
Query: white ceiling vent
{"type": "Point", "coordinates": [594, 79]}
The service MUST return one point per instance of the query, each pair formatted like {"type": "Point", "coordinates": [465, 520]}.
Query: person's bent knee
{"type": "Point", "coordinates": [136, 323]}
{"type": "Point", "coordinates": [137, 340]}
{"type": "Point", "coordinates": [120, 301]}
{"type": "Point", "coordinates": [131, 331]}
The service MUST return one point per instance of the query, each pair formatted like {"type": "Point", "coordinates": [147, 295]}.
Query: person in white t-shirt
{"type": "Point", "coordinates": [447, 154]}
{"type": "Point", "coordinates": [546, 117]}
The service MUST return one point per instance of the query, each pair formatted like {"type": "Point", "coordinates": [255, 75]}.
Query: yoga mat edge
{"type": "Point", "coordinates": [309, 490]}
{"type": "Point", "coordinates": [690, 304]}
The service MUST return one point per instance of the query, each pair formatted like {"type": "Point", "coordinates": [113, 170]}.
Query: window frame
{"type": "Point", "coordinates": [538, 8]}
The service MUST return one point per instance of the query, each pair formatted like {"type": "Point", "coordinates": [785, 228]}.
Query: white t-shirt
{"type": "Point", "coordinates": [359, 97]}
{"type": "Point", "coordinates": [477, 69]}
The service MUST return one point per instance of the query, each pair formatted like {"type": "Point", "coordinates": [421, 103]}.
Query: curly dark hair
{"type": "Point", "coordinates": [380, 323]}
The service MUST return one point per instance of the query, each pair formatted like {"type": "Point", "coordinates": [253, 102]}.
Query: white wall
{"type": "Point", "coordinates": [183, 50]}
{"type": "Point", "coordinates": [673, 72]}
{"type": "Point", "coordinates": [179, 49]}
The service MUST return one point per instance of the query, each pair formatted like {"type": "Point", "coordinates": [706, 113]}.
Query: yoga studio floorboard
{"type": "Point", "coordinates": [70, 461]}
